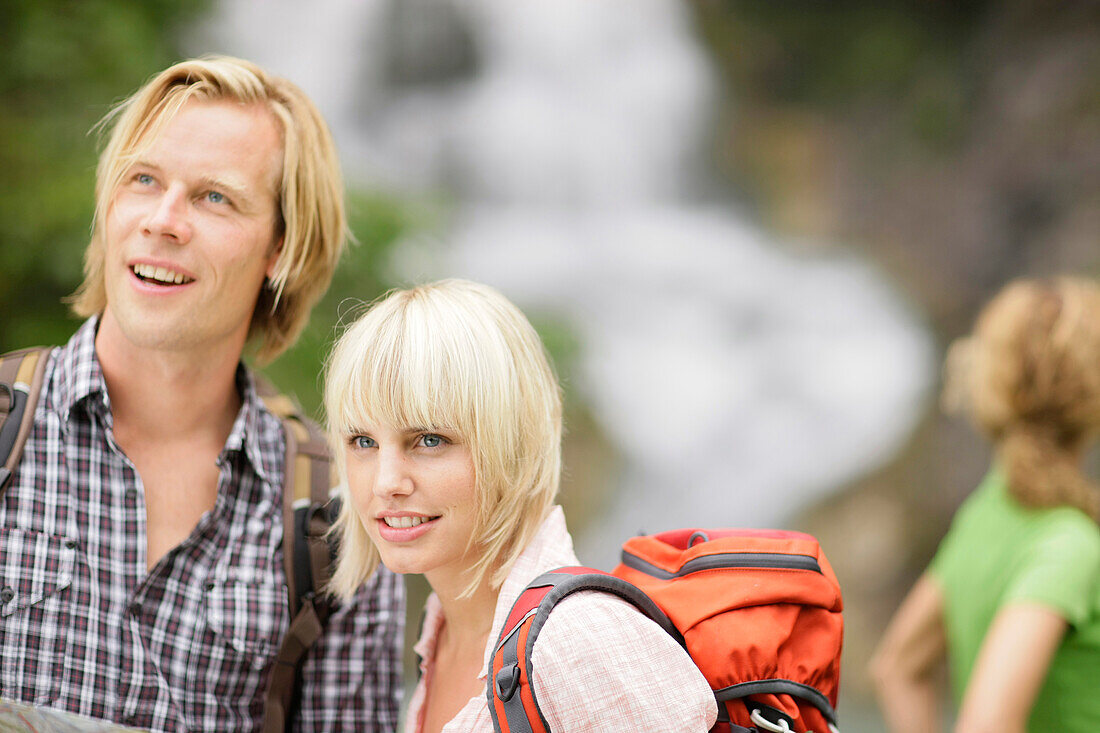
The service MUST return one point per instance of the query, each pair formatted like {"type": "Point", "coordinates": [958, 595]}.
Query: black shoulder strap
{"type": "Point", "coordinates": [21, 376]}
{"type": "Point", "coordinates": [307, 554]}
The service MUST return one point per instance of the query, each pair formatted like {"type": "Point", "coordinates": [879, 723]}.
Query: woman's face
{"type": "Point", "coordinates": [415, 492]}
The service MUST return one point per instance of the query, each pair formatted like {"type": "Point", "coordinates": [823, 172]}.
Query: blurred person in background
{"type": "Point", "coordinates": [446, 419]}
{"type": "Point", "coordinates": [1012, 597]}
{"type": "Point", "coordinates": [140, 535]}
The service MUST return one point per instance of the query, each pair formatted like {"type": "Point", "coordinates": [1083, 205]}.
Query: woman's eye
{"type": "Point", "coordinates": [431, 440]}
{"type": "Point", "coordinates": [362, 441]}
{"type": "Point", "coordinates": [144, 179]}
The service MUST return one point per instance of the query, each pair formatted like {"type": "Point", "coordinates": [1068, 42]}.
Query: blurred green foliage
{"type": "Point", "coordinates": [62, 64]}
{"type": "Point", "coordinates": [377, 222]}
{"type": "Point", "coordinates": [821, 56]}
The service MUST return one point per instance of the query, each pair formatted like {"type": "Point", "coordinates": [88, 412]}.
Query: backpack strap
{"type": "Point", "coordinates": [308, 514]}
{"type": "Point", "coordinates": [763, 715]}
{"type": "Point", "coordinates": [21, 375]}
{"type": "Point", "coordinates": [511, 695]}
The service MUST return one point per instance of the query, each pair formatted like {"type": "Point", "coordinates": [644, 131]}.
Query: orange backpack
{"type": "Point", "coordinates": [759, 611]}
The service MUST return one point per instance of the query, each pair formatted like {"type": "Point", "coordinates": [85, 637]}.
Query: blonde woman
{"type": "Point", "coordinates": [1012, 597]}
{"type": "Point", "coordinates": [446, 420]}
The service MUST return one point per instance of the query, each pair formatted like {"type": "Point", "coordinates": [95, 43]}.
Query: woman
{"type": "Point", "coordinates": [446, 420]}
{"type": "Point", "coordinates": [1012, 597]}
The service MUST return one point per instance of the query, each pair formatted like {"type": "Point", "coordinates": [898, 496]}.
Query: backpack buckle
{"type": "Point", "coordinates": [767, 718]}
{"type": "Point", "coordinates": [507, 682]}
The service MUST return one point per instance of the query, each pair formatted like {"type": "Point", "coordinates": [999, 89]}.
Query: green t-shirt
{"type": "Point", "coordinates": [997, 552]}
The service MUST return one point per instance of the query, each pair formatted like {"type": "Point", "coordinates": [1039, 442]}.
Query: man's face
{"type": "Point", "coordinates": [191, 230]}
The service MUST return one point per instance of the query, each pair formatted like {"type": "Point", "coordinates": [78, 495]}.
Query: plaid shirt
{"type": "Point", "coordinates": [84, 627]}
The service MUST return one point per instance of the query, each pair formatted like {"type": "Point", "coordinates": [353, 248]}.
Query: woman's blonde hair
{"type": "Point", "coordinates": [310, 193]}
{"type": "Point", "coordinates": [458, 355]}
{"type": "Point", "coordinates": [1029, 376]}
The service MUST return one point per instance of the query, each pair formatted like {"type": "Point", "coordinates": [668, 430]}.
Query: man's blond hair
{"type": "Point", "coordinates": [310, 205]}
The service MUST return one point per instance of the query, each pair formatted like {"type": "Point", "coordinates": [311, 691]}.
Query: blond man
{"type": "Point", "coordinates": [140, 536]}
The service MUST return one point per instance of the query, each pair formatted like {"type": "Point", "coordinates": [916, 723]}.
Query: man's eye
{"type": "Point", "coordinates": [216, 198]}
{"type": "Point", "coordinates": [362, 441]}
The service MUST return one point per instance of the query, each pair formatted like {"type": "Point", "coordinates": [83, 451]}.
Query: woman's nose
{"type": "Point", "coordinates": [394, 477]}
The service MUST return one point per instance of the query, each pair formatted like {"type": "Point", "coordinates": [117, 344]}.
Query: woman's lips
{"type": "Point", "coordinates": [404, 528]}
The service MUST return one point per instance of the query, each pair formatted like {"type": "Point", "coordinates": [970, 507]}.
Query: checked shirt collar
{"type": "Point", "coordinates": [78, 381]}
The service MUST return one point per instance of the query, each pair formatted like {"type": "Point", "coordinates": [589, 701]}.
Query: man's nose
{"type": "Point", "coordinates": [169, 216]}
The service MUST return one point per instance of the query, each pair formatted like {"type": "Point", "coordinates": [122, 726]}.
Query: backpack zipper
{"type": "Point", "coordinates": [725, 560]}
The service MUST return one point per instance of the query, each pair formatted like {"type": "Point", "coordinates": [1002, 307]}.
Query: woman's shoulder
{"type": "Point", "coordinates": [598, 657]}
{"type": "Point", "coordinates": [1069, 535]}
{"type": "Point", "coordinates": [599, 616]}
{"type": "Point", "coordinates": [1072, 521]}
{"type": "Point", "coordinates": [992, 518]}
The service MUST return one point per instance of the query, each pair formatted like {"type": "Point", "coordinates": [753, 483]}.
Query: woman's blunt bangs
{"type": "Point", "coordinates": [390, 368]}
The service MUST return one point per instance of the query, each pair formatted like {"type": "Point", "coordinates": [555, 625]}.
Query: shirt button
{"type": "Point", "coordinates": [6, 594]}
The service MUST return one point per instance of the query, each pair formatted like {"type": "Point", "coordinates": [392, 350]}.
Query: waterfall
{"type": "Point", "coordinates": [740, 377]}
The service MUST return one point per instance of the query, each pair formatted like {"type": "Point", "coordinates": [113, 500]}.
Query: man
{"type": "Point", "coordinates": [140, 536]}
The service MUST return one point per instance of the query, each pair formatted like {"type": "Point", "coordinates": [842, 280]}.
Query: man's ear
{"type": "Point", "coordinates": [273, 258]}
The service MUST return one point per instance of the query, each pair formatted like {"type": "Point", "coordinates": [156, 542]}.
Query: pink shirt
{"type": "Point", "coordinates": [599, 664]}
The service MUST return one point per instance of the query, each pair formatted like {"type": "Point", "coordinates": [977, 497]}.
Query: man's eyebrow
{"type": "Point", "coordinates": [237, 190]}
{"type": "Point", "coordinates": [143, 163]}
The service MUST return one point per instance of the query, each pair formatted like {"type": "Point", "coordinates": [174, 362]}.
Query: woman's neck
{"type": "Point", "coordinates": [454, 677]}
{"type": "Point", "coordinates": [468, 619]}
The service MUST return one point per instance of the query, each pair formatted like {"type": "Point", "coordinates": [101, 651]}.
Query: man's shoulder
{"type": "Point", "coordinates": [69, 371]}
{"type": "Point", "coordinates": [279, 404]}
{"type": "Point", "coordinates": [29, 386]}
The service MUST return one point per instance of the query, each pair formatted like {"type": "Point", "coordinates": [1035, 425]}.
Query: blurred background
{"type": "Point", "coordinates": [746, 230]}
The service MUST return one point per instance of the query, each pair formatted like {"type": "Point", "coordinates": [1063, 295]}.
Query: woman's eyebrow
{"type": "Point", "coordinates": [430, 429]}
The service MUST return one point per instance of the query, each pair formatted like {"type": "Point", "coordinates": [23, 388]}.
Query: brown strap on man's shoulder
{"type": "Point", "coordinates": [21, 375]}
{"type": "Point", "coordinates": [305, 629]}
{"type": "Point", "coordinates": [308, 477]}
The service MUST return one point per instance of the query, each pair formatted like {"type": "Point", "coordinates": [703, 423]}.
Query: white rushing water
{"type": "Point", "coordinates": [739, 377]}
